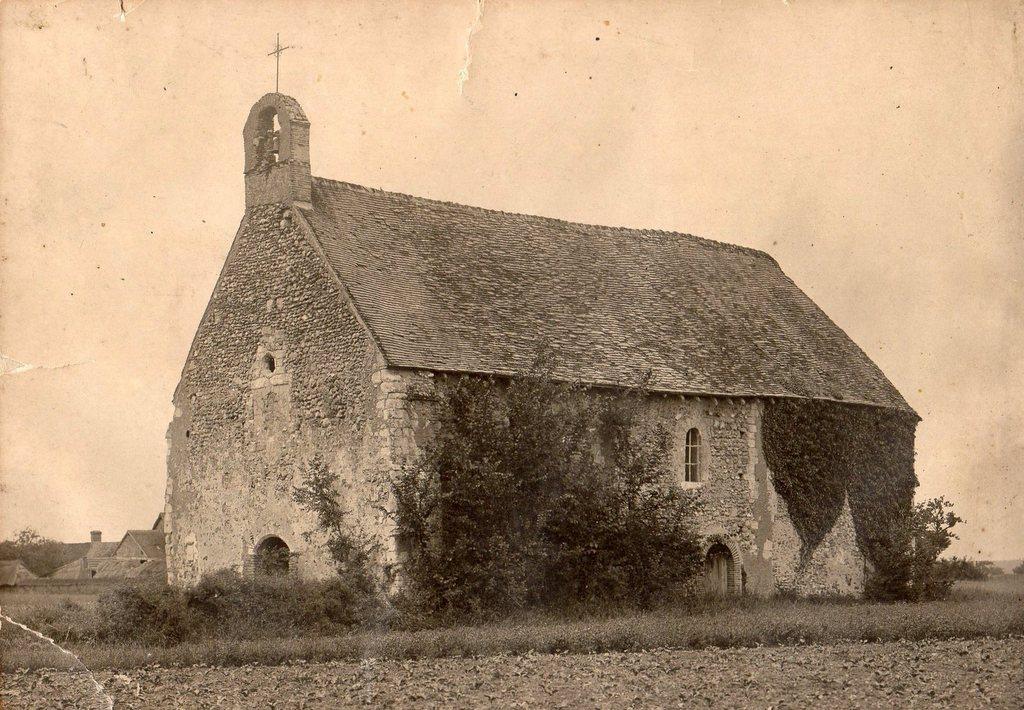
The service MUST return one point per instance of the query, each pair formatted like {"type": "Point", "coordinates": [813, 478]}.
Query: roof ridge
{"type": "Point", "coordinates": [622, 230]}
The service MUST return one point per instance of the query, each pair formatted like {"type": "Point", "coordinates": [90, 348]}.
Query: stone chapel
{"type": "Point", "coordinates": [338, 306]}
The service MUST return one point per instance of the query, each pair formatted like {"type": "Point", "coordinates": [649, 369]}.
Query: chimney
{"type": "Point", "coordinates": [96, 536]}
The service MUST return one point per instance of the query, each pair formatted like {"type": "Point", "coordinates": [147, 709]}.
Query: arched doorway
{"type": "Point", "coordinates": [271, 557]}
{"type": "Point", "coordinates": [718, 570]}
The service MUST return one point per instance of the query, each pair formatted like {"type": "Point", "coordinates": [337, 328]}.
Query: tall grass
{"type": "Point", "coordinates": [975, 609]}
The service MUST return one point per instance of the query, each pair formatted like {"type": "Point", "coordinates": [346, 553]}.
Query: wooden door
{"type": "Point", "coordinates": [716, 568]}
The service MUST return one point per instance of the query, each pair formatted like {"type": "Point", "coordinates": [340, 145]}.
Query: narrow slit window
{"type": "Point", "coordinates": [692, 465]}
{"type": "Point", "coordinates": [275, 140]}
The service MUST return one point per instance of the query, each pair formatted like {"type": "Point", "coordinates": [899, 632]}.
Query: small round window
{"type": "Point", "coordinates": [269, 363]}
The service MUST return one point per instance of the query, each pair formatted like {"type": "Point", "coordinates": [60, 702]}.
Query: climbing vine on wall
{"type": "Point", "coordinates": [820, 452]}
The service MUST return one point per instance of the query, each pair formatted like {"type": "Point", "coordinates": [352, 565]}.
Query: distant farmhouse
{"type": "Point", "coordinates": [139, 554]}
{"type": "Point", "coordinates": [339, 306]}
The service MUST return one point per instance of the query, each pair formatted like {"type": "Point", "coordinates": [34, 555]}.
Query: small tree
{"type": "Point", "coordinates": [1019, 569]}
{"type": "Point", "coordinates": [932, 524]}
{"type": "Point", "coordinates": [909, 567]}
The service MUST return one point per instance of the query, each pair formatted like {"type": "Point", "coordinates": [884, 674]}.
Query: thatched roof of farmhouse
{"type": "Point", "coordinates": [447, 287]}
{"type": "Point", "coordinates": [69, 570]}
{"type": "Point", "coordinates": [13, 572]}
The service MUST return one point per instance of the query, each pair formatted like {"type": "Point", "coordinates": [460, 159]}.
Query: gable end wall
{"type": "Point", "coordinates": [241, 436]}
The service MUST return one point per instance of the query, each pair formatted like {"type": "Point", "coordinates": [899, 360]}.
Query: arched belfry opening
{"type": "Point", "coordinates": [276, 142]}
{"type": "Point", "coordinates": [272, 557]}
{"type": "Point", "coordinates": [267, 141]}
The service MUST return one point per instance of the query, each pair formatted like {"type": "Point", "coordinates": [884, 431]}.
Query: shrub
{"type": "Point", "coordinates": [989, 569]}
{"type": "Point", "coordinates": [540, 493]}
{"type": "Point", "coordinates": [963, 568]}
{"type": "Point", "coordinates": [246, 607]}
{"type": "Point", "coordinates": [1019, 569]}
{"type": "Point", "coordinates": [225, 604]}
{"type": "Point", "coordinates": [151, 612]}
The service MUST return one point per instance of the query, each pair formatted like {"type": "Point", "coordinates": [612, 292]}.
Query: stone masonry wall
{"type": "Point", "coordinates": [740, 507]}
{"type": "Point", "coordinates": [242, 434]}
{"type": "Point", "coordinates": [835, 566]}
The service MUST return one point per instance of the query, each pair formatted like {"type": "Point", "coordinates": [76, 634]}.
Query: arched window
{"type": "Point", "coordinates": [272, 557]}
{"type": "Point", "coordinates": [269, 363]}
{"type": "Point", "coordinates": [692, 461]}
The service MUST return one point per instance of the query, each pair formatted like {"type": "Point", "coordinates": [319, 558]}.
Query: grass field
{"type": "Point", "coordinates": [15, 604]}
{"type": "Point", "coordinates": [993, 608]}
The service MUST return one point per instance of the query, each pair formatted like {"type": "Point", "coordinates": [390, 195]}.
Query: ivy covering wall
{"type": "Point", "coordinates": [820, 452]}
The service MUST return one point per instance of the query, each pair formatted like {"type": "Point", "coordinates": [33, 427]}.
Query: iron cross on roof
{"type": "Point", "coordinates": [277, 53]}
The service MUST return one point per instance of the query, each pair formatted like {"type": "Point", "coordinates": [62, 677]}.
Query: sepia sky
{"type": "Point", "coordinates": [876, 150]}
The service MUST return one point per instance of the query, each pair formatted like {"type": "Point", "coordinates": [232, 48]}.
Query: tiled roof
{"type": "Point", "coordinates": [133, 568]}
{"type": "Point", "coordinates": [99, 550]}
{"type": "Point", "coordinates": [448, 287]}
{"type": "Point", "coordinates": [150, 541]}
{"type": "Point", "coordinates": [75, 552]}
